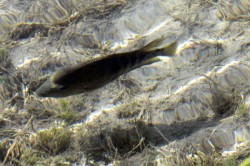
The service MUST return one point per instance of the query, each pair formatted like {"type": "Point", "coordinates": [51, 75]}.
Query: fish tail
{"type": "Point", "coordinates": [168, 50]}
{"type": "Point", "coordinates": [152, 45]}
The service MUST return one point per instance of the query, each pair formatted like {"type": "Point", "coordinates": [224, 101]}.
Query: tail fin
{"type": "Point", "coordinates": [168, 50]}
{"type": "Point", "coordinates": [152, 45]}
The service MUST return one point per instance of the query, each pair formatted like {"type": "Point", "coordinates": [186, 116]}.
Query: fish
{"type": "Point", "coordinates": [98, 72]}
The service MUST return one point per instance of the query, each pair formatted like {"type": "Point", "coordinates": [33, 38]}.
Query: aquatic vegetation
{"type": "Point", "coordinates": [245, 162]}
{"type": "Point", "coordinates": [30, 156]}
{"type": "Point", "coordinates": [186, 155]}
{"type": "Point", "coordinates": [45, 15]}
{"type": "Point", "coordinates": [193, 157]}
{"type": "Point", "coordinates": [98, 9]}
{"type": "Point", "coordinates": [31, 150]}
{"type": "Point", "coordinates": [242, 111]}
{"type": "Point", "coordinates": [224, 102]}
{"type": "Point", "coordinates": [54, 140]}
{"type": "Point", "coordinates": [26, 30]}
{"type": "Point", "coordinates": [120, 141]}
{"type": "Point", "coordinates": [233, 9]}
{"type": "Point", "coordinates": [39, 109]}
{"type": "Point", "coordinates": [5, 61]}
{"type": "Point", "coordinates": [7, 21]}
{"type": "Point", "coordinates": [199, 50]}
{"type": "Point", "coordinates": [2, 54]}
{"type": "Point", "coordinates": [66, 112]}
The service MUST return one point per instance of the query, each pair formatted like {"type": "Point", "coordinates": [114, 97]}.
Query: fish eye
{"type": "Point", "coordinates": [62, 87]}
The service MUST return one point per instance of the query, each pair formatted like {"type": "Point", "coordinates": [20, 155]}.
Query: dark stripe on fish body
{"type": "Point", "coordinates": [140, 58]}
{"type": "Point", "coordinates": [132, 61]}
{"type": "Point", "coordinates": [137, 60]}
{"type": "Point", "coordinates": [114, 66]}
{"type": "Point", "coordinates": [110, 67]}
{"type": "Point", "coordinates": [119, 63]}
{"type": "Point", "coordinates": [128, 62]}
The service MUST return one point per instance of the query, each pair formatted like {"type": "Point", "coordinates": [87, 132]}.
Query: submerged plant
{"type": "Point", "coordinates": [65, 111]}
{"type": "Point", "coordinates": [224, 101]}
{"type": "Point", "coordinates": [29, 156]}
{"type": "Point", "coordinates": [3, 54]}
{"type": "Point", "coordinates": [246, 162]}
{"type": "Point", "coordinates": [242, 111]}
{"type": "Point", "coordinates": [53, 140]}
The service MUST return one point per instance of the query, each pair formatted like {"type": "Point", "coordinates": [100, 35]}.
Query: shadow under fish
{"type": "Point", "coordinates": [98, 72]}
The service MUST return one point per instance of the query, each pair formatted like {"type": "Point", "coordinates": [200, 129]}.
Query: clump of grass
{"type": "Point", "coordinates": [133, 109]}
{"type": "Point", "coordinates": [130, 110]}
{"type": "Point", "coordinates": [111, 141]}
{"type": "Point", "coordinates": [232, 10]}
{"type": "Point", "coordinates": [25, 30]}
{"type": "Point", "coordinates": [99, 9]}
{"type": "Point", "coordinates": [10, 151]}
{"type": "Point", "coordinates": [189, 155]}
{"type": "Point", "coordinates": [65, 112]}
{"type": "Point", "coordinates": [195, 157]}
{"type": "Point", "coordinates": [21, 148]}
{"type": "Point", "coordinates": [4, 145]}
{"type": "Point", "coordinates": [33, 156]}
{"type": "Point", "coordinates": [11, 89]}
{"type": "Point", "coordinates": [40, 109]}
{"type": "Point", "coordinates": [230, 161]}
{"type": "Point", "coordinates": [245, 162]}
{"type": "Point", "coordinates": [54, 140]}
{"type": "Point", "coordinates": [5, 62]}
{"type": "Point", "coordinates": [54, 161]}
{"type": "Point", "coordinates": [3, 54]}
{"type": "Point", "coordinates": [242, 111]}
{"type": "Point", "coordinates": [224, 101]}
{"type": "Point", "coordinates": [29, 156]}
{"type": "Point", "coordinates": [14, 142]}
{"type": "Point", "coordinates": [144, 158]}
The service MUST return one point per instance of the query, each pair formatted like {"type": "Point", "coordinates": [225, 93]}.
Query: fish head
{"type": "Point", "coordinates": [54, 88]}
{"type": "Point", "coordinates": [62, 83]}
{"type": "Point", "coordinates": [51, 89]}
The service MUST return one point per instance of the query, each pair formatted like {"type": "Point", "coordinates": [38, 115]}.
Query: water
{"type": "Point", "coordinates": [173, 94]}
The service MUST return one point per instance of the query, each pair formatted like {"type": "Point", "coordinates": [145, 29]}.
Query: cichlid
{"type": "Point", "coordinates": [98, 72]}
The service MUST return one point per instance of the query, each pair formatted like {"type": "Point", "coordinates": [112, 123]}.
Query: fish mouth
{"type": "Point", "coordinates": [40, 93]}
{"type": "Point", "coordinates": [43, 90]}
